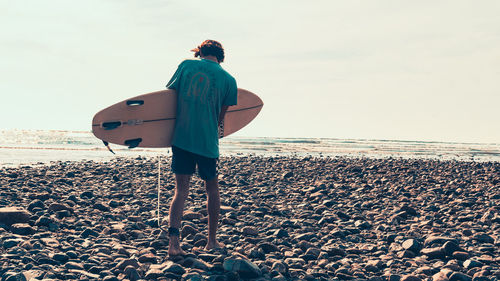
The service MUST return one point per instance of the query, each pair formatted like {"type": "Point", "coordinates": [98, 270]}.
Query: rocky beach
{"type": "Point", "coordinates": [282, 218]}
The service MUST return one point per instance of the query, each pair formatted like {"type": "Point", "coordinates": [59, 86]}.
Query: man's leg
{"type": "Point", "coordinates": [176, 210]}
{"type": "Point", "coordinates": [213, 207]}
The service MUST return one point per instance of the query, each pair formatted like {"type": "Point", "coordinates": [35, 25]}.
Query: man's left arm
{"type": "Point", "coordinates": [231, 98]}
{"type": "Point", "coordinates": [222, 114]}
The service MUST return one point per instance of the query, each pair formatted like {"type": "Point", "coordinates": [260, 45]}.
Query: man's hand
{"type": "Point", "coordinates": [221, 120]}
{"type": "Point", "coordinates": [222, 113]}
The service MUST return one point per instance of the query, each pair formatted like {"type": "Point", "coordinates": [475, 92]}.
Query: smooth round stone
{"type": "Point", "coordinates": [60, 257]}
{"type": "Point", "coordinates": [131, 273]}
{"type": "Point", "coordinates": [471, 263]}
{"type": "Point", "coordinates": [72, 254]}
{"type": "Point", "coordinates": [73, 265]}
{"type": "Point", "coordinates": [9, 243]}
{"type": "Point", "coordinates": [22, 229]}
{"type": "Point", "coordinates": [245, 268]}
{"type": "Point", "coordinates": [458, 276]}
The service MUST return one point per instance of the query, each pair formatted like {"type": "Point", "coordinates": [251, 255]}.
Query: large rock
{"type": "Point", "coordinates": [126, 262]}
{"type": "Point", "coordinates": [55, 207]}
{"type": "Point", "coordinates": [22, 229]}
{"type": "Point", "coordinates": [441, 276]}
{"type": "Point", "coordinates": [434, 253]}
{"type": "Point", "coordinates": [245, 268]}
{"type": "Point", "coordinates": [483, 238]}
{"type": "Point", "coordinates": [12, 215]}
{"type": "Point", "coordinates": [439, 240]}
{"type": "Point", "coordinates": [458, 276]}
{"type": "Point", "coordinates": [411, 278]}
{"type": "Point", "coordinates": [412, 245]}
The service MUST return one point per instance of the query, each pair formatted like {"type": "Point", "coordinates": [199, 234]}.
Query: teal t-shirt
{"type": "Point", "coordinates": [203, 87]}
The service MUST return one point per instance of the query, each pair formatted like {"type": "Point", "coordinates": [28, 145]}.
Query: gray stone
{"type": "Point", "coordinates": [251, 231]}
{"type": "Point", "coordinates": [87, 194]}
{"type": "Point", "coordinates": [483, 238]}
{"type": "Point", "coordinates": [37, 203]}
{"type": "Point", "coordinates": [195, 263]}
{"type": "Point", "coordinates": [268, 247]}
{"type": "Point", "coordinates": [459, 255]}
{"type": "Point", "coordinates": [101, 207]}
{"type": "Point", "coordinates": [450, 247]}
{"type": "Point", "coordinates": [73, 265]}
{"type": "Point", "coordinates": [440, 240]}
{"type": "Point", "coordinates": [173, 268]}
{"type": "Point", "coordinates": [132, 273]}
{"type": "Point", "coordinates": [280, 233]}
{"type": "Point", "coordinates": [43, 221]}
{"type": "Point", "coordinates": [279, 267]}
{"type": "Point", "coordinates": [9, 243]}
{"type": "Point", "coordinates": [362, 224]}
{"type": "Point", "coordinates": [470, 263]}
{"type": "Point", "coordinates": [89, 232]}
{"type": "Point", "coordinates": [189, 230]}
{"type": "Point", "coordinates": [60, 257]}
{"type": "Point", "coordinates": [55, 207]}
{"type": "Point", "coordinates": [153, 274]}
{"type": "Point", "coordinates": [126, 262]}
{"type": "Point", "coordinates": [411, 278]}
{"type": "Point", "coordinates": [192, 276]}
{"type": "Point", "coordinates": [245, 268]}
{"type": "Point", "coordinates": [333, 251]}
{"type": "Point", "coordinates": [434, 253]}
{"type": "Point", "coordinates": [14, 276]}
{"type": "Point", "coordinates": [481, 278]}
{"type": "Point", "coordinates": [440, 276]}
{"type": "Point", "coordinates": [22, 229]}
{"type": "Point", "coordinates": [412, 245]}
{"type": "Point", "coordinates": [458, 276]}
{"type": "Point", "coordinates": [148, 258]}
{"type": "Point", "coordinates": [394, 277]}
{"type": "Point", "coordinates": [12, 215]}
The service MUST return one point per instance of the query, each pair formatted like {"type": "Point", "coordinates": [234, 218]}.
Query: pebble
{"type": "Point", "coordinates": [248, 230]}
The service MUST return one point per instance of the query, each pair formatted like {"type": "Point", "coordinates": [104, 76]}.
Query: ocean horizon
{"type": "Point", "coordinates": [28, 147]}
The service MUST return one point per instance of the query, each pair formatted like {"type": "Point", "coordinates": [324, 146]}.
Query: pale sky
{"type": "Point", "coordinates": [404, 70]}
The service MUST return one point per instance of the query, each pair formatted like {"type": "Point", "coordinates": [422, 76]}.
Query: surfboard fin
{"type": "Point", "coordinates": [107, 145]}
{"type": "Point", "coordinates": [111, 125]}
{"type": "Point", "coordinates": [133, 142]}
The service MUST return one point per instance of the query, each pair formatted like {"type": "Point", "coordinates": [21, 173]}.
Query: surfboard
{"type": "Point", "coordinates": [148, 120]}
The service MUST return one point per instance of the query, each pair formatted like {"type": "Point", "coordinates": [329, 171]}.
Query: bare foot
{"type": "Point", "coordinates": [174, 247]}
{"type": "Point", "coordinates": [173, 251]}
{"type": "Point", "coordinates": [214, 245]}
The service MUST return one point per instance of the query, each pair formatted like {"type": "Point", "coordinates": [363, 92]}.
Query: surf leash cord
{"type": "Point", "coordinates": [159, 184]}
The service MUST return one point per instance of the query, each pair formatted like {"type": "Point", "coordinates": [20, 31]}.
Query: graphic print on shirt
{"type": "Point", "coordinates": [199, 88]}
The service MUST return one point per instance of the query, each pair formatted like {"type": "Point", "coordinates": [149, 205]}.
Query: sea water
{"type": "Point", "coordinates": [28, 147]}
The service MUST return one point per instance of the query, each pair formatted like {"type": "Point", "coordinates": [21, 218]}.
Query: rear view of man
{"type": "Point", "coordinates": [204, 92]}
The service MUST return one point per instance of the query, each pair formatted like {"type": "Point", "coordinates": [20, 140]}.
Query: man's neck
{"type": "Point", "coordinates": [212, 58]}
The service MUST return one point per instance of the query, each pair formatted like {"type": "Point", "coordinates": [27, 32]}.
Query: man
{"type": "Point", "coordinates": [204, 92]}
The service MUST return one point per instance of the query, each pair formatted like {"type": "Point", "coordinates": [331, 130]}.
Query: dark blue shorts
{"type": "Point", "coordinates": [185, 162]}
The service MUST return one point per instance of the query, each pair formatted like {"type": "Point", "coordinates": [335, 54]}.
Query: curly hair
{"type": "Point", "coordinates": [210, 48]}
